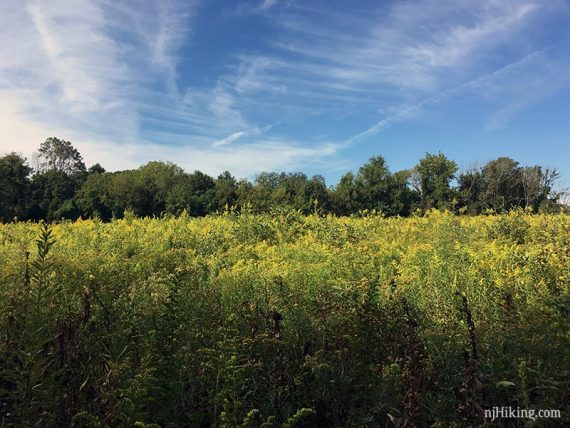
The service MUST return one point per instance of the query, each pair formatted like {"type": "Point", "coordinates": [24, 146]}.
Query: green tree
{"type": "Point", "coordinates": [245, 193]}
{"type": "Point", "coordinates": [225, 191]}
{"type": "Point", "coordinates": [288, 192]}
{"type": "Point", "coordinates": [153, 182]}
{"type": "Point", "coordinates": [59, 155]}
{"type": "Point", "coordinates": [96, 169]}
{"type": "Point", "coordinates": [373, 184]}
{"type": "Point", "coordinates": [402, 197]}
{"type": "Point", "coordinates": [434, 176]}
{"type": "Point", "coordinates": [194, 193]}
{"type": "Point", "coordinates": [313, 195]}
{"type": "Point", "coordinates": [470, 189]}
{"type": "Point", "coordinates": [502, 184]}
{"type": "Point", "coordinates": [53, 194]}
{"type": "Point", "coordinates": [119, 192]}
{"type": "Point", "coordinates": [93, 198]}
{"type": "Point", "coordinates": [14, 186]}
{"type": "Point", "coordinates": [344, 196]}
{"type": "Point", "coordinates": [59, 173]}
{"type": "Point", "coordinates": [537, 184]}
{"type": "Point", "coordinates": [264, 191]}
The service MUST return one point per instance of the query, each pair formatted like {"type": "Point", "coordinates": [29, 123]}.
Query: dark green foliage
{"type": "Point", "coordinates": [313, 196]}
{"type": "Point", "coordinates": [194, 193]}
{"type": "Point", "coordinates": [503, 187]}
{"type": "Point", "coordinates": [53, 195]}
{"type": "Point", "coordinates": [152, 183]}
{"type": "Point", "coordinates": [372, 184]}
{"type": "Point", "coordinates": [94, 197]}
{"type": "Point", "coordinates": [61, 188]}
{"type": "Point", "coordinates": [344, 196]}
{"type": "Point", "coordinates": [59, 155]}
{"type": "Point", "coordinates": [470, 190]}
{"type": "Point", "coordinates": [14, 187]}
{"type": "Point", "coordinates": [402, 197]}
{"type": "Point", "coordinates": [226, 191]}
{"type": "Point", "coordinates": [96, 169]}
{"type": "Point", "coordinates": [434, 175]}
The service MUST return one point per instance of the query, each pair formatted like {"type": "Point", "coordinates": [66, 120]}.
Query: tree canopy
{"type": "Point", "coordinates": [59, 155]}
{"type": "Point", "coordinates": [61, 187]}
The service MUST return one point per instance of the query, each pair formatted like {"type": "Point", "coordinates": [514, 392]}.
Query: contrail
{"type": "Point", "coordinates": [398, 117]}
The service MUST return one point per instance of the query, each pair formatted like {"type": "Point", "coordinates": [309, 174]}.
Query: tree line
{"type": "Point", "coordinates": [60, 186]}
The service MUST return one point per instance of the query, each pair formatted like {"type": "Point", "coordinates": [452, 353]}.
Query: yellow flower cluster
{"type": "Point", "coordinates": [339, 301]}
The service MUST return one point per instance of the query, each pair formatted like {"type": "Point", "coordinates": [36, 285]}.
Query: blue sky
{"type": "Point", "coordinates": [316, 86]}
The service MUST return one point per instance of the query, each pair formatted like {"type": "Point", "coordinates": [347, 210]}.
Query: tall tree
{"type": "Point", "coordinates": [470, 188]}
{"type": "Point", "coordinates": [245, 194]}
{"type": "Point", "coordinates": [536, 184]}
{"type": "Point", "coordinates": [225, 191]}
{"type": "Point", "coordinates": [53, 195]}
{"type": "Point", "coordinates": [263, 192]}
{"type": "Point", "coordinates": [153, 183]}
{"type": "Point", "coordinates": [288, 192]}
{"type": "Point", "coordinates": [194, 193]}
{"type": "Point", "coordinates": [373, 184]}
{"type": "Point", "coordinates": [503, 187]}
{"type": "Point", "coordinates": [96, 169]}
{"type": "Point", "coordinates": [313, 196]}
{"type": "Point", "coordinates": [402, 197]}
{"type": "Point", "coordinates": [93, 198]}
{"type": "Point", "coordinates": [344, 196]}
{"type": "Point", "coordinates": [59, 155]}
{"type": "Point", "coordinates": [14, 186]}
{"type": "Point", "coordinates": [434, 173]}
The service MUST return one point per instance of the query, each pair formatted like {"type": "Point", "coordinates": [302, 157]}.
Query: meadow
{"type": "Point", "coordinates": [284, 320]}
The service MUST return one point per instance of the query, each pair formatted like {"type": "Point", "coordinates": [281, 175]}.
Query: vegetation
{"type": "Point", "coordinates": [61, 187]}
{"type": "Point", "coordinates": [287, 303]}
{"type": "Point", "coordinates": [282, 320]}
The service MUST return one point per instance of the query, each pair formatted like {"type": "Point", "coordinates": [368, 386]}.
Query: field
{"type": "Point", "coordinates": [284, 320]}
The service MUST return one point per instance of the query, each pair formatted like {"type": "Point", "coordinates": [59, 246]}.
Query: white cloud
{"type": "Point", "coordinates": [105, 75]}
{"type": "Point", "coordinates": [330, 62]}
{"type": "Point", "coordinates": [529, 86]}
{"type": "Point", "coordinates": [244, 161]}
{"type": "Point", "coordinates": [70, 73]}
{"type": "Point", "coordinates": [451, 46]}
{"type": "Point", "coordinates": [237, 135]}
{"type": "Point", "coordinates": [82, 73]}
{"type": "Point", "coordinates": [266, 4]}
{"type": "Point", "coordinates": [251, 8]}
{"type": "Point", "coordinates": [413, 45]}
{"type": "Point", "coordinates": [229, 139]}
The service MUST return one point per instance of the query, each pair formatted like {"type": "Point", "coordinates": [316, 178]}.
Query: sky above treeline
{"type": "Point", "coordinates": [287, 85]}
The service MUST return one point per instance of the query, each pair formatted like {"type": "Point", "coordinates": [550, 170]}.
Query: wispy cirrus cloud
{"type": "Point", "coordinates": [73, 68]}
{"type": "Point", "coordinates": [267, 4]}
{"type": "Point", "coordinates": [408, 46]}
{"type": "Point", "coordinates": [113, 77]}
{"type": "Point", "coordinates": [494, 84]}
{"type": "Point", "coordinates": [253, 132]}
{"type": "Point", "coordinates": [104, 74]}
{"type": "Point", "coordinates": [399, 58]}
{"type": "Point", "coordinates": [257, 6]}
